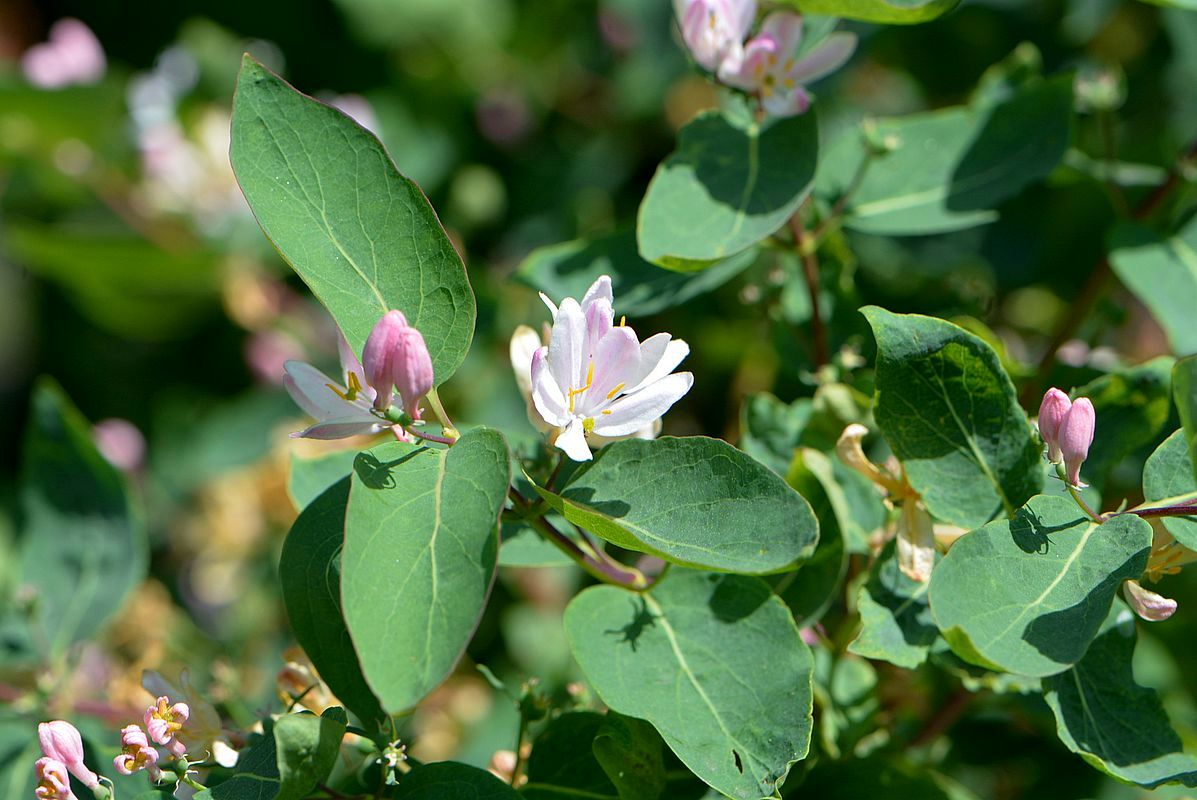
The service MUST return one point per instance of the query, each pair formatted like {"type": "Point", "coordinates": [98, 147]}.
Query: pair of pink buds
{"type": "Point", "coordinates": [395, 356]}
{"type": "Point", "coordinates": [1067, 428]}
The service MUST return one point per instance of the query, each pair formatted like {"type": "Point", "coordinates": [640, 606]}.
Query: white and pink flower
{"type": "Point", "coordinates": [714, 30]}
{"type": "Point", "coordinates": [596, 381]}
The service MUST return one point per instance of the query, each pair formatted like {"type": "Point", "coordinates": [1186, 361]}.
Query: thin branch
{"type": "Point", "coordinates": [806, 248]}
{"type": "Point", "coordinates": [944, 718]}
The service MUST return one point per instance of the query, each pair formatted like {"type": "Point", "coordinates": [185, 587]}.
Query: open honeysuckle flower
{"type": "Point", "coordinates": [595, 380]}
{"type": "Point", "coordinates": [199, 729]}
{"type": "Point", "coordinates": [53, 782]}
{"type": "Point", "coordinates": [714, 30]}
{"type": "Point", "coordinates": [772, 69]}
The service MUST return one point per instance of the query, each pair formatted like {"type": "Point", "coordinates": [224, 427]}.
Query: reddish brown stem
{"type": "Point", "coordinates": [944, 718]}
{"type": "Point", "coordinates": [810, 269]}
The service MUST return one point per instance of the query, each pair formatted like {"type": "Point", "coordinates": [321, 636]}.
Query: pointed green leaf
{"type": "Point", "coordinates": [1029, 594]}
{"type": "Point", "coordinates": [890, 12]}
{"type": "Point", "coordinates": [1168, 481]}
{"type": "Point", "coordinates": [359, 233]}
{"type": "Point", "coordinates": [1184, 392]}
{"type": "Point", "coordinates": [952, 167]}
{"type": "Point", "coordinates": [731, 182]}
{"type": "Point", "coordinates": [563, 764]}
{"type": "Point", "coordinates": [421, 543]}
{"type": "Point", "coordinates": [811, 590]}
{"type": "Point", "coordinates": [950, 413]}
{"type": "Point", "coordinates": [1104, 715]}
{"type": "Point", "coordinates": [447, 780]}
{"type": "Point", "coordinates": [714, 662]}
{"type": "Point", "coordinates": [895, 616]}
{"type": "Point", "coordinates": [1162, 272]}
{"type": "Point", "coordinates": [693, 501]}
{"type": "Point", "coordinates": [629, 751]}
{"type": "Point", "coordinates": [306, 749]}
{"type": "Point", "coordinates": [641, 288]}
{"type": "Point", "coordinates": [310, 477]}
{"type": "Point", "coordinates": [83, 544]}
{"type": "Point", "coordinates": [256, 776]}
{"type": "Point", "coordinates": [310, 574]}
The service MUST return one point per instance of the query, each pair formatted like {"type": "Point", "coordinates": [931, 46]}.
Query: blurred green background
{"type": "Point", "coordinates": [132, 272]}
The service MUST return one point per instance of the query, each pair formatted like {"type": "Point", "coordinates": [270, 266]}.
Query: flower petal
{"type": "Point", "coordinates": [1147, 604]}
{"type": "Point", "coordinates": [599, 320]}
{"type": "Point", "coordinates": [566, 356]}
{"type": "Point", "coordinates": [552, 306]}
{"type": "Point", "coordinates": [599, 290]}
{"type": "Point", "coordinates": [616, 361]}
{"type": "Point", "coordinates": [341, 428]}
{"type": "Point", "coordinates": [785, 27]}
{"type": "Point", "coordinates": [915, 542]}
{"type": "Point", "coordinates": [572, 441]}
{"type": "Point", "coordinates": [309, 388]}
{"type": "Point", "coordinates": [787, 104]}
{"type": "Point", "coordinates": [547, 396]}
{"type": "Point", "coordinates": [659, 356]}
{"type": "Point", "coordinates": [825, 57]}
{"type": "Point", "coordinates": [633, 412]}
{"type": "Point", "coordinates": [524, 343]}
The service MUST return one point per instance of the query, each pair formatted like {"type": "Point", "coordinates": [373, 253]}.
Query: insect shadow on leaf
{"type": "Point", "coordinates": [643, 618]}
{"type": "Point", "coordinates": [377, 474]}
{"type": "Point", "coordinates": [1030, 534]}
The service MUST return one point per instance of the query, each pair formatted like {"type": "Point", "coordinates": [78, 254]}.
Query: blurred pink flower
{"type": "Point", "coordinates": [267, 352]}
{"type": "Point", "coordinates": [358, 109]}
{"type": "Point", "coordinates": [71, 56]}
{"type": "Point", "coordinates": [771, 68]}
{"type": "Point", "coordinates": [714, 31]}
{"type": "Point", "coordinates": [1147, 604]}
{"type": "Point", "coordinates": [120, 442]}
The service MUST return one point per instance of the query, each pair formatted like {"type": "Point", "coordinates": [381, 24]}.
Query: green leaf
{"type": "Point", "coordinates": [890, 12]}
{"type": "Point", "coordinates": [1168, 480]}
{"type": "Point", "coordinates": [83, 543]}
{"type": "Point", "coordinates": [256, 777]}
{"type": "Point", "coordinates": [629, 751]}
{"type": "Point", "coordinates": [359, 233]}
{"type": "Point", "coordinates": [1184, 392]}
{"type": "Point", "coordinates": [731, 183]}
{"type": "Point", "coordinates": [1188, 5]}
{"type": "Point", "coordinates": [770, 430]}
{"type": "Point", "coordinates": [895, 616]}
{"type": "Point", "coordinates": [1132, 406]}
{"type": "Point", "coordinates": [1162, 272]}
{"type": "Point", "coordinates": [714, 662]}
{"type": "Point", "coordinates": [307, 747]}
{"type": "Point", "coordinates": [954, 166]}
{"type": "Point", "coordinates": [310, 575]}
{"type": "Point", "coordinates": [951, 415]}
{"type": "Point", "coordinates": [421, 541]}
{"type": "Point", "coordinates": [1029, 594]}
{"type": "Point", "coordinates": [563, 763]}
{"type": "Point", "coordinates": [448, 780]}
{"type": "Point", "coordinates": [877, 777]}
{"type": "Point", "coordinates": [1110, 720]}
{"type": "Point", "coordinates": [811, 590]}
{"type": "Point", "coordinates": [641, 288]}
{"type": "Point", "coordinates": [692, 501]}
{"type": "Point", "coordinates": [310, 477]}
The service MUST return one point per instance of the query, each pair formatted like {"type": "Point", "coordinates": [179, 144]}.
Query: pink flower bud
{"type": "Point", "coordinates": [52, 780]}
{"type": "Point", "coordinates": [1146, 603]}
{"type": "Point", "coordinates": [378, 356]}
{"type": "Point", "coordinates": [413, 371]}
{"type": "Point", "coordinates": [1076, 434]}
{"type": "Point", "coordinates": [60, 741]}
{"type": "Point", "coordinates": [1052, 411]}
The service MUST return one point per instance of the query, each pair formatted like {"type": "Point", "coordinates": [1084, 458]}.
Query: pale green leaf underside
{"type": "Point", "coordinates": [730, 183]}
{"type": "Point", "coordinates": [421, 544]}
{"type": "Point", "coordinates": [360, 234]}
{"type": "Point", "coordinates": [714, 662]}
{"type": "Point", "coordinates": [1110, 720]}
{"type": "Point", "coordinates": [892, 12]}
{"type": "Point", "coordinates": [693, 501]}
{"type": "Point", "coordinates": [951, 415]}
{"type": "Point", "coordinates": [1028, 595]}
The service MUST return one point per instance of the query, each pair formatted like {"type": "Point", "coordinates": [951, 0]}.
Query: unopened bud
{"type": "Point", "coordinates": [378, 356]}
{"type": "Point", "coordinates": [413, 371]}
{"type": "Point", "coordinates": [1052, 411]}
{"type": "Point", "coordinates": [61, 741]}
{"type": "Point", "coordinates": [1076, 435]}
{"type": "Point", "coordinates": [1146, 603]}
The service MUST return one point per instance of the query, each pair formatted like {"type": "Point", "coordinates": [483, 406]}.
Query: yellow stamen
{"type": "Point", "coordinates": [611, 394]}
{"type": "Point", "coordinates": [623, 321]}
{"type": "Point", "coordinates": [575, 392]}
{"type": "Point", "coordinates": [606, 411]}
{"type": "Point", "coordinates": [355, 386]}
{"type": "Point", "coordinates": [588, 425]}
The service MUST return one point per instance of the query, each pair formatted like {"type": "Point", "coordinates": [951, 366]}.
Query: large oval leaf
{"type": "Point", "coordinates": [950, 413]}
{"type": "Point", "coordinates": [421, 542]}
{"type": "Point", "coordinates": [1184, 392]}
{"type": "Point", "coordinates": [714, 662]}
{"type": "Point", "coordinates": [1167, 481]}
{"type": "Point", "coordinates": [1029, 594]}
{"type": "Point", "coordinates": [448, 779]}
{"type": "Point", "coordinates": [731, 182]}
{"type": "Point", "coordinates": [693, 501]}
{"type": "Point", "coordinates": [892, 12]}
{"type": "Point", "coordinates": [310, 574]}
{"type": "Point", "coordinates": [359, 233]}
{"type": "Point", "coordinates": [951, 167]}
{"type": "Point", "coordinates": [1112, 721]}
